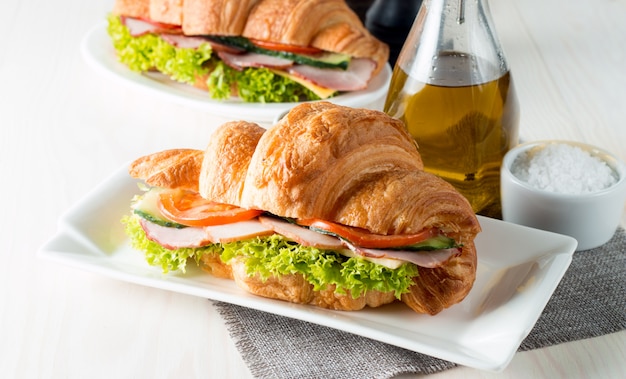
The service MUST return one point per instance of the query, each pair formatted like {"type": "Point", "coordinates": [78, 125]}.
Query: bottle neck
{"type": "Point", "coordinates": [452, 33]}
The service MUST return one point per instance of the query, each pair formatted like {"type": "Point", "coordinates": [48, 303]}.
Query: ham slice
{"type": "Point", "coordinates": [301, 235]}
{"type": "Point", "coordinates": [241, 61]}
{"type": "Point", "coordinates": [174, 238]}
{"type": "Point", "coordinates": [355, 78]}
{"type": "Point", "coordinates": [173, 35]}
{"type": "Point", "coordinates": [137, 27]}
{"type": "Point", "coordinates": [423, 258]}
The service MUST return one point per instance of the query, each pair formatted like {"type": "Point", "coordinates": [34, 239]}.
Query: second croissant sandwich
{"type": "Point", "coordinates": [329, 207]}
{"type": "Point", "coordinates": [254, 50]}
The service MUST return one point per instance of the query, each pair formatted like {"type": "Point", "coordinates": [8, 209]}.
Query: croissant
{"type": "Point", "coordinates": [227, 157]}
{"type": "Point", "coordinates": [353, 167]}
{"type": "Point", "coordinates": [176, 168]}
{"type": "Point", "coordinates": [309, 27]}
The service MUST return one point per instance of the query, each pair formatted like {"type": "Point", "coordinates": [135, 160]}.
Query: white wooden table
{"type": "Point", "coordinates": [64, 128]}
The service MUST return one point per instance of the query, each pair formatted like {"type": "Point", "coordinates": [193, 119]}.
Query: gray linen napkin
{"type": "Point", "coordinates": [589, 302]}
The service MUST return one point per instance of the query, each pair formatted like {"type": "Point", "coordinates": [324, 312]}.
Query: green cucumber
{"type": "Point", "coordinates": [322, 60]}
{"type": "Point", "coordinates": [146, 207]}
{"type": "Point", "coordinates": [434, 243]}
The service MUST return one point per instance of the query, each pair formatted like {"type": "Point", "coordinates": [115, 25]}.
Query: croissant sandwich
{"type": "Point", "coordinates": [253, 50]}
{"type": "Point", "coordinates": [329, 207]}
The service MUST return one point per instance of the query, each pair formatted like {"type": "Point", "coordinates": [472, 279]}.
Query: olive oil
{"type": "Point", "coordinates": [462, 125]}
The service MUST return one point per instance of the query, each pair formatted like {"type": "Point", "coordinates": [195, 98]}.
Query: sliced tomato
{"type": "Point", "coordinates": [364, 238]}
{"type": "Point", "coordinates": [277, 46]}
{"type": "Point", "coordinates": [191, 209]}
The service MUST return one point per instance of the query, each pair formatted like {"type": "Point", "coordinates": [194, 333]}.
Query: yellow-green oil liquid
{"type": "Point", "coordinates": [462, 130]}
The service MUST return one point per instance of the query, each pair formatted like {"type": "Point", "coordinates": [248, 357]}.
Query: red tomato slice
{"type": "Point", "coordinates": [277, 46]}
{"type": "Point", "coordinates": [191, 209]}
{"type": "Point", "coordinates": [364, 238]}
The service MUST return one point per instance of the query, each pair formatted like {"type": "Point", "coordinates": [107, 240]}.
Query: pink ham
{"type": "Point", "coordinates": [174, 238]}
{"type": "Point", "coordinates": [226, 48]}
{"type": "Point", "coordinates": [301, 235]}
{"type": "Point", "coordinates": [424, 258]}
{"type": "Point", "coordinates": [355, 78]}
{"type": "Point", "coordinates": [241, 61]}
{"type": "Point", "coordinates": [137, 27]}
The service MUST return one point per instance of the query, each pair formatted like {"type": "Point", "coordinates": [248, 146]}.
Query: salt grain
{"type": "Point", "coordinates": [563, 168]}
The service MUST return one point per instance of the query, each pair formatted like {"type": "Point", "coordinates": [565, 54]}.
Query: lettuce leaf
{"type": "Point", "coordinates": [186, 65]}
{"type": "Point", "coordinates": [261, 85]}
{"type": "Point", "coordinates": [275, 256]}
{"type": "Point", "coordinates": [150, 51]}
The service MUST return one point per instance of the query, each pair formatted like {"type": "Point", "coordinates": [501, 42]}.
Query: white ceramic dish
{"type": "Point", "coordinates": [98, 52]}
{"type": "Point", "coordinates": [519, 268]}
{"type": "Point", "coordinates": [591, 218]}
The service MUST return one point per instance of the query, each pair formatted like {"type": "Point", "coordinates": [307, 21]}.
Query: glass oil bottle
{"type": "Point", "coordinates": [453, 89]}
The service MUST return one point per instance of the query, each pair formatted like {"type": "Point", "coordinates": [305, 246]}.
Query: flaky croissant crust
{"type": "Point", "coordinates": [356, 167]}
{"type": "Point", "coordinates": [306, 165]}
{"type": "Point", "coordinates": [175, 168]}
{"type": "Point", "coordinates": [228, 156]}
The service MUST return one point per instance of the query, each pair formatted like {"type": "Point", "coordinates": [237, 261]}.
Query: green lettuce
{"type": "Point", "coordinates": [275, 256]}
{"type": "Point", "coordinates": [149, 51]}
{"type": "Point", "coordinates": [185, 65]}
{"type": "Point", "coordinates": [255, 85]}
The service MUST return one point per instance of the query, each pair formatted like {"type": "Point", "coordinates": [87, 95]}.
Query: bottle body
{"type": "Point", "coordinates": [459, 104]}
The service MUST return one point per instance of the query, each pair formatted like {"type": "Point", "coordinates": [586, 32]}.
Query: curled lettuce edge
{"type": "Point", "coordinates": [186, 65]}
{"type": "Point", "coordinates": [274, 256]}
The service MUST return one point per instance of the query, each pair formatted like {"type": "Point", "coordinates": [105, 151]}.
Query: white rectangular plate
{"type": "Point", "coordinates": [518, 270]}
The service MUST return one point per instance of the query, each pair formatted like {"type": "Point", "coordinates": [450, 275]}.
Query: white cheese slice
{"type": "Point", "coordinates": [387, 262]}
{"type": "Point", "coordinates": [237, 231]}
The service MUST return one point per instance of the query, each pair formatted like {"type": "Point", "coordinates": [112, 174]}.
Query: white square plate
{"type": "Point", "coordinates": [518, 270]}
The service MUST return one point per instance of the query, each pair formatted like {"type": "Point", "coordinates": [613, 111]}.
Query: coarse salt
{"type": "Point", "coordinates": [563, 168]}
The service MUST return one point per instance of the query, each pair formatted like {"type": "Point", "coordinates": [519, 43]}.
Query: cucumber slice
{"type": "Point", "coordinates": [435, 243]}
{"type": "Point", "coordinates": [322, 60]}
{"type": "Point", "coordinates": [146, 207]}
